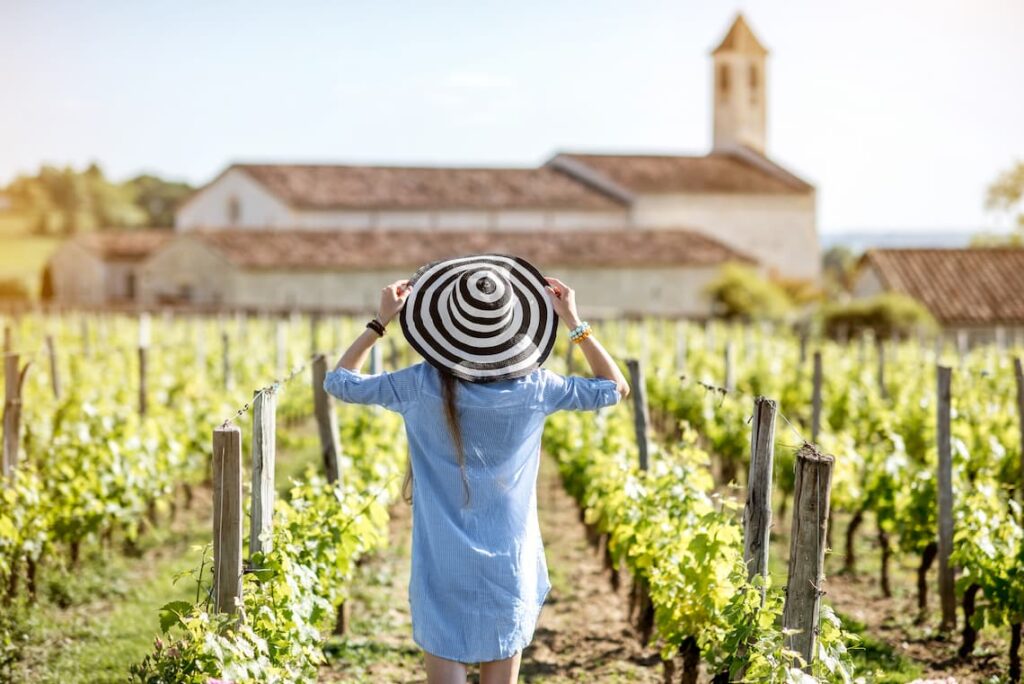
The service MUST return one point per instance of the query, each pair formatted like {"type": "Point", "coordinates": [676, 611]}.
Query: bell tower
{"type": "Point", "coordinates": [740, 89]}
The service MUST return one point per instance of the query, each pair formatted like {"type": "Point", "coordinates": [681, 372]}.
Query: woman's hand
{"type": "Point", "coordinates": [563, 299]}
{"type": "Point", "coordinates": [392, 298]}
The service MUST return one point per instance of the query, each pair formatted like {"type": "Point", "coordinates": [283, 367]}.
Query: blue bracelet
{"type": "Point", "coordinates": [578, 330]}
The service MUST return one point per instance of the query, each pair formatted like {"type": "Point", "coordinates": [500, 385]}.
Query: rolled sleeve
{"type": "Point", "coordinates": [577, 393]}
{"type": "Point", "coordinates": [392, 390]}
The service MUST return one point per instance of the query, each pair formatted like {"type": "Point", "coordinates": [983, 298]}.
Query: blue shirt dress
{"type": "Point", "coordinates": [479, 576]}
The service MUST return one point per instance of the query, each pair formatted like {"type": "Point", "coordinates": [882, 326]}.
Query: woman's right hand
{"type": "Point", "coordinates": [563, 299]}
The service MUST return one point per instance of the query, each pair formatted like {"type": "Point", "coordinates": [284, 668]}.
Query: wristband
{"type": "Point", "coordinates": [579, 332]}
{"type": "Point", "coordinates": [376, 326]}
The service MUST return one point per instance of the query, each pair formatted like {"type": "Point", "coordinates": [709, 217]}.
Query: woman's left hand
{"type": "Point", "coordinates": [392, 297]}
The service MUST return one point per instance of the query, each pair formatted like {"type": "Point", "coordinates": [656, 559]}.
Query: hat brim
{"type": "Point", "coordinates": [449, 341]}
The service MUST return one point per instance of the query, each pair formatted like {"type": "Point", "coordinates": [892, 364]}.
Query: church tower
{"type": "Point", "coordinates": [740, 89]}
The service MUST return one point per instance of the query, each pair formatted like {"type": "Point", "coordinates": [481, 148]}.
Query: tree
{"type": "Point", "coordinates": [739, 292]}
{"type": "Point", "coordinates": [1006, 193]}
{"type": "Point", "coordinates": [839, 265]}
{"type": "Point", "coordinates": [159, 198]}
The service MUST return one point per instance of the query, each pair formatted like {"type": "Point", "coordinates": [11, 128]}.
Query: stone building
{"type": "Point", "coordinates": [613, 207]}
{"type": "Point", "coordinates": [975, 294]}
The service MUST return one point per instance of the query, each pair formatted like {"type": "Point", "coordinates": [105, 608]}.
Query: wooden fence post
{"type": "Point", "coordinates": [680, 347]}
{"type": "Point", "coordinates": [393, 353]}
{"type": "Point", "coordinates": [945, 494]}
{"type": "Point", "coordinates": [327, 422]}
{"type": "Point", "coordinates": [227, 518]}
{"type": "Point", "coordinates": [225, 359]}
{"type": "Point", "coordinates": [51, 352]}
{"type": "Point", "coordinates": [757, 513]}
{"type": "Point", "coordinates": [807, 550]}
{"type": "Point", "coordinates": [569, 367]}
{"type": "Point", "coordinates": [281, 343]}
{"type": "Point", "coordinates": [730, 366]}
{"type": "Point", "coordinates": [641, 417]}
{"type": "Point", "coordinates": [264, 435]}
{"type": "Point", "coordinates": [1018, 371]}
{"type": "Point", "coordinates": [816, 399]}
{"type": "Point", "coordinates": [375, 361]}
{"type": "Point", "coordinates": [880, 346]}
{"type": "Point", "coordinates": [314, 327]}
{"type": "Point", "coordinates": [143, 351]}
{"type": "Point", "coordinates": [14, 380]}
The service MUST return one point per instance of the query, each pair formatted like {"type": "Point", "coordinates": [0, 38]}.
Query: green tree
{"type": "Point", "coordinates": [1006, 194]}
{"type": "Point", "coordinates": [159, 198]}
{"type": "Point", "coordinates": [739, 292]}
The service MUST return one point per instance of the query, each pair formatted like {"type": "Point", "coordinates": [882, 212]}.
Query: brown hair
{"type": "Point", "coordinates": [448, 384]}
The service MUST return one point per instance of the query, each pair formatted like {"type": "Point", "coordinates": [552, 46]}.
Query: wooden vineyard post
{"type": "Point", "coordinates": [225, 359]}
{"type": "Point", "coordinates": [757, 513]}
{"type": "Point", "coordinates": [264, 436]}
{"type": "Point", "coordinates": [945, 494]}
{"type": "Point", "coordinates": [880, 346]}
{"type": "Point", "coordinates": [569, 367]}
{"type": "Point", "coordinates": [143, 352]}
{"type": "Point", "coordinates": [962, 346]}
{"type": "Point", "coordinates": [1018, 371]}
{"type": "Point", "coordinates": [375, 364]}
{"type": "Point", "coordinates": [730, 366]}
{"type": "Point", "coordinates": [680, 347]}
{"type": "Point", "coordinates": [314, 325]}
{"type": "Point", "coordinates": [326, 421]}
{"type": "Point", "coordinates": [227, 518]}
{"type": "Point", "coordinates": [816, 399]}
{"type": "Point", "coordinates": [51, 353]}
{"type": "Point", "coordinates": [281, 348]}
{"type": "Point", "coordinates": [14, 380]}
{"type": "Point", "coordinates": [200, 340]}
{"type": "Point", "coordinates": [640, 414]}
{"type": "Point", "coordinates": [393, 358]}
{"type": "Point", "coordinates": [807, 550]}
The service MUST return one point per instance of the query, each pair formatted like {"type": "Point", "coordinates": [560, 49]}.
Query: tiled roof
{"type": "Point", "coordinates": [959, 286]}
{"type": "Point", "coordinates": [125, 244]}
{"type": "Point", "coordinates": [320, 186]}
{"type": "Point", "coordinates": [716, 172]}
{"type": "Point", "coordinates": [351, 249]}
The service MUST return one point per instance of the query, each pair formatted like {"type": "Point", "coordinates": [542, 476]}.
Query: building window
{"type": "Point", "coordinates": [753, 83]}
{"type": "Point", "coordinates": [234, 210]}
{"type": "Point", "coordinates": [723, 79]}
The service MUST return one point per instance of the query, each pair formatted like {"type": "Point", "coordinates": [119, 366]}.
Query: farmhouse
{"type": "Point", "coordinates": [614, 272]}
{"type": "Point", "coordinates": [625, 223]}
{"type": "Point", "coordinates": [977, 292]}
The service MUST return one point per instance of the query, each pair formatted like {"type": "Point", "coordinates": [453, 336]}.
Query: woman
{"type": "Point", "coordinates": [474, 413]}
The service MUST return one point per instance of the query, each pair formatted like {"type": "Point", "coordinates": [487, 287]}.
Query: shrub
{"type": "Point", "coordinates": [739, 292]}
{"type": "Point", "coordinates": [885, 314]}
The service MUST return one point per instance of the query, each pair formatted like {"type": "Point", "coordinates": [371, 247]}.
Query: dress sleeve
{"type": "Point", "coordinates": [392, 390]}
{"type": "Point", "coordinates": [575, 392]}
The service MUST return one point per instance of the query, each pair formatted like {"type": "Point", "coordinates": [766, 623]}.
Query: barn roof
{"type": "Point", "coordinates": [740, 170]}
{"type": "Point", "coordinates": [362, 249]}
{"type": "Point", "coordinates": [126, 244]}
{"type": "Point", "coordinates": [335, 186]}
{"type": "Point", "coordinates": [959, 286]}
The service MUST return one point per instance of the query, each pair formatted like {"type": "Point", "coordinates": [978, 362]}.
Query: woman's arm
{"type": "Point", "coordinates": [563, 298]}
{"type": "Point", "coordinates": [392, 297]}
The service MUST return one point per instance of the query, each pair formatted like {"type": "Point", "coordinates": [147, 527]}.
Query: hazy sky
{"type": "Point", "coordinates": [901, 112]}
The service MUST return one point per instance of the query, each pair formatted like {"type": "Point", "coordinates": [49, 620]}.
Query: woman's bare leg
{"type": "Point", "coordinates": [501, 671]}
{"type": "Point", "coordinates": [443, 671]}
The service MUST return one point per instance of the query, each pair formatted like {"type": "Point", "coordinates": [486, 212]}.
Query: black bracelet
{"type": "Point", "coordinates": [376, 326]}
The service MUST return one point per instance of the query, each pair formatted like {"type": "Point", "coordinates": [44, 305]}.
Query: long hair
{"type": "Point", "coordinates": [451, 414]}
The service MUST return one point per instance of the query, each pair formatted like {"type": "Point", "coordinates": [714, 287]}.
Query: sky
{"type": "Point", "coordinates": [901, 113]}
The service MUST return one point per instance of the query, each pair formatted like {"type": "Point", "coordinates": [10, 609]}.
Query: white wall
{"type": "Point", "coordinates": [779, 230]}
{"type": "Point", "coordinates": [187, 265]}
{"type": "Point", "coordinates": [867, 283]}
{"type": "Point", "coordinates": [209, 207]}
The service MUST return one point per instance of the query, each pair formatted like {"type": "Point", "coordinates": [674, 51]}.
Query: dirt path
{"type": "Point", "coordinates": [582, 635]}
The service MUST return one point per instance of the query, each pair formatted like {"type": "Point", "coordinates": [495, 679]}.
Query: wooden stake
{"type": "Point", "coordinates": [757, 514]}
{"type": "Point", "coordinates": [1018, 371]}
{"type": "Point", "coordinates": [51, 352]}
{"type": "Point", "coordinates": [281, 357]}
{"type": "Point", "coordinates": [641, 418]}
{"type": "Point", "coordinates": [730, 366]}
{"type": "Point", "coordinates": [816, 399]}
{"type": "Point", "coordinates": [880, 345]}
{"type": "Point", "coordinates": [13, 383]}
{"type": "Point", "coordinates": [264, 435]}
{"type": "Point", "coordinates": [225, 359]}
{"type": "Point", "coordinates": [375, 361]}
{"type": "Point", "coordinates": [327, 422]}
{"type": "Point", "coordinates": [680, 347]}
{"type": "Point", "coordinates": [807, 550]}
{"type": "Point", "coordinates": [227, 518]}
{"type": "Point", "coordinates": [945, 494]}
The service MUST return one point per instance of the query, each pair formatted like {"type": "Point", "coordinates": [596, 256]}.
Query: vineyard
{"type": "Point", "coordinates": [765, 506]}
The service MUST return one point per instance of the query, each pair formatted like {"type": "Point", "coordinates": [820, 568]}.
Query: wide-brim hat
{"type": "Point", "coordinates": [481, 317]}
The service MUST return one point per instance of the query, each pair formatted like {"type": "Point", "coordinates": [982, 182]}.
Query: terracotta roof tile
{"type": "Point", "coordinates": [320, 186]}
{"type": "Point", "coordinates": [126, 244]}
{"type": "Point", "coordinates": [959, 286]}
{"type": "Point", "coordinates": [348, 249]}
{"type": "Point", "coordinates": [715, 172]}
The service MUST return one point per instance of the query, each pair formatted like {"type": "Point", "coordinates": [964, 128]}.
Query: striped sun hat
{"type": "Point", "coordinates": [482, 317]}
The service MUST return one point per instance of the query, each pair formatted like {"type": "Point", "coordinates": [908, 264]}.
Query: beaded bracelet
{"type": "Point", "coordinates": [580, 332]}
{"type": "Point", "coordinates": [582, 336]}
